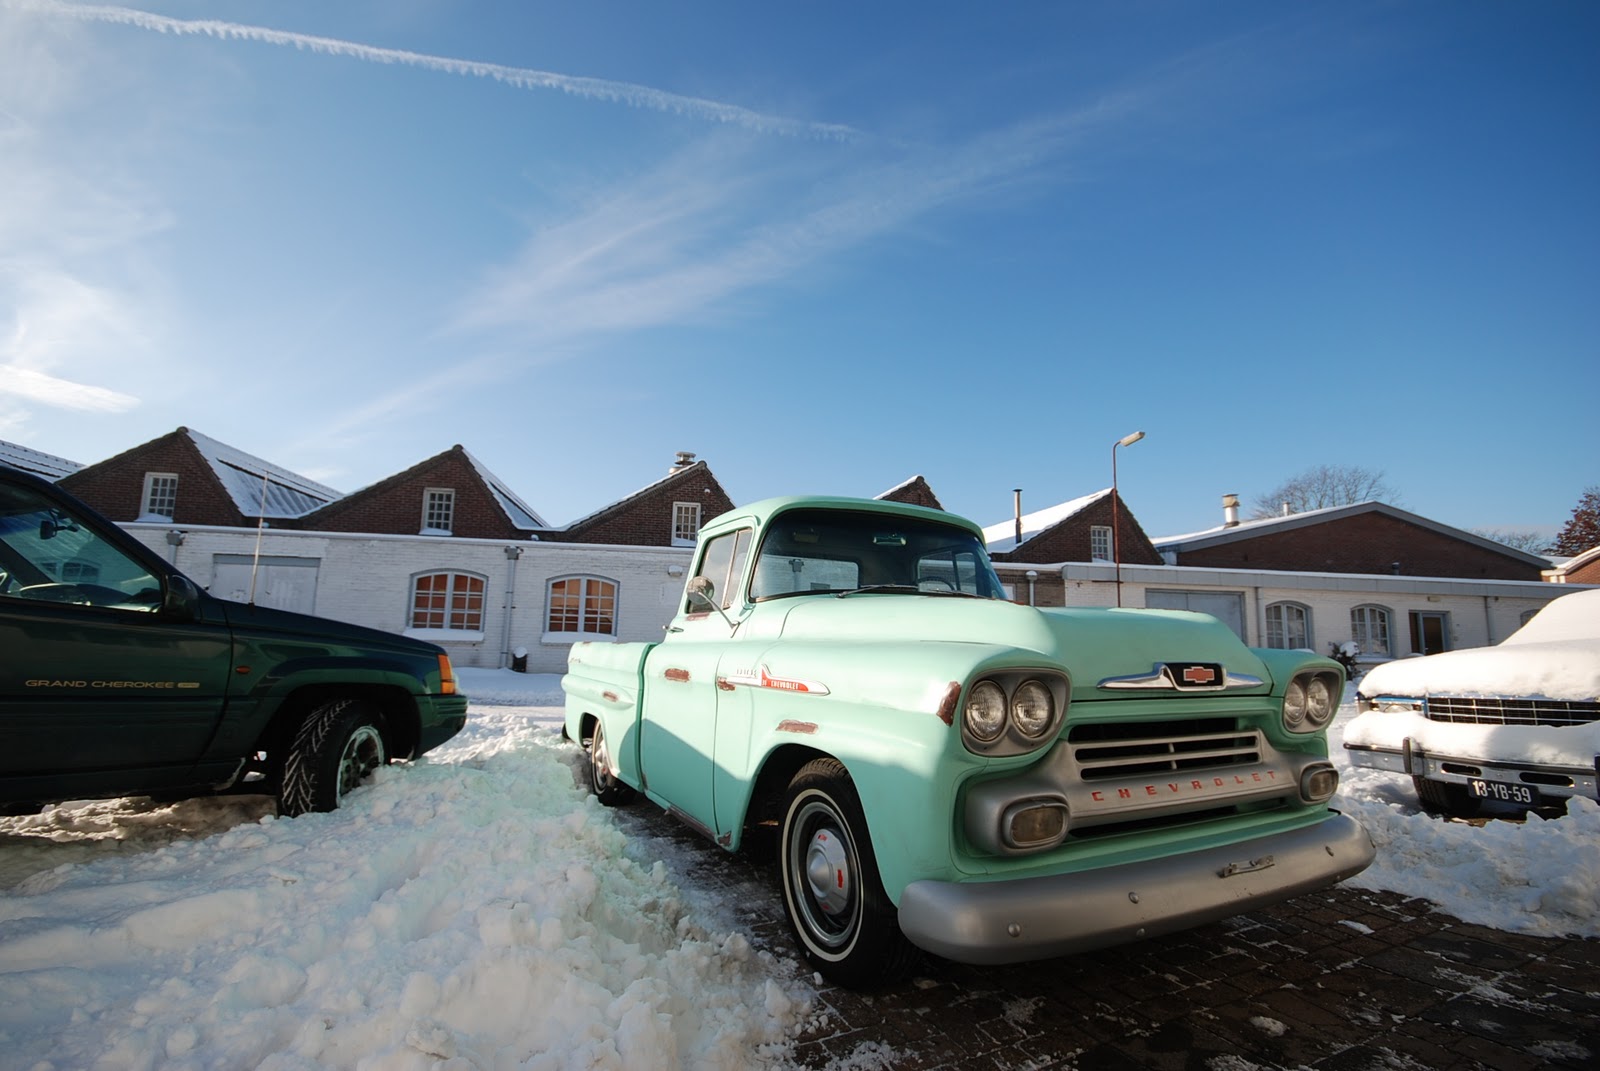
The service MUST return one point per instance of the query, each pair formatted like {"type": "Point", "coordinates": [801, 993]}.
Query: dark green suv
{"type": "Point", "coordinates": [119, 676]}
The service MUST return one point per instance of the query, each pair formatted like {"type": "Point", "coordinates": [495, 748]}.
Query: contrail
{"type": "Point", "coordinates": [634, 96]}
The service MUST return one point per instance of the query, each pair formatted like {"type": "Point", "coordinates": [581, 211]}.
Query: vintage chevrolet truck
{"type": "Point", "coordinates": [944, 769]}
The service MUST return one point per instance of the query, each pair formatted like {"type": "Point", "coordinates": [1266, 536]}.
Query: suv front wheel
{"type": "Point", "coordinates": [335, 749]}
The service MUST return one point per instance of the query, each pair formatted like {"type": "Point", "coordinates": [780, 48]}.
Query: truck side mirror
{"type": "Point", "coordinates": [701, 589]}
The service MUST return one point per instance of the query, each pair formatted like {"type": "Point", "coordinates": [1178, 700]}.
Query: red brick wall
{"type": "Point", "coordinates": [395, 506]}
{"type": "Point", "coordinates": [646, 519]}
{"type": "Point", "coordinates": [914, 493]}
{"type": "Point", "coordinates": [1364, 543]}
{"type": "Point", "coordinates": [1069, 540]}
{"type": "Point", "coordinates": [115, 486]}
{"type": "Point", "coordinates": [1587, 573]}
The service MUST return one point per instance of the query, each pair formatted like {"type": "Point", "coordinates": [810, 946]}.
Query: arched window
{"type": "Point", "coordinates": [581, 606]}
{"type": "Point", "coordinates": [1288, 626]}
{"type": "Point", "coordinates": [1369, 628]}
{"type": "Point", "coordinates": [445, 600]}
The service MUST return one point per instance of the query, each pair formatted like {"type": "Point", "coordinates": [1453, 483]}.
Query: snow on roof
{"type": "Point", "coordinates": [520, 513]}
{"type": "Point", "coordinates": [1246, 529]}
{"type": "Point", "coordinates": [674, 474]}
{"type": "Point", "coordinates": [244, 476]}
{"type": "Point", "coordinates": [36, 461]}
{"type": "Point", "coordinates": [1002, 536]}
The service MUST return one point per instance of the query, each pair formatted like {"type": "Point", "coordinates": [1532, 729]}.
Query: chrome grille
{"type": "Point", "coordinates": [1127, 749]}
{"type": "Point", "coordinates": [1470, 710]}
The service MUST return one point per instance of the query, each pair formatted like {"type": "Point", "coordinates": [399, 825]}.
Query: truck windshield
{"type": "Point", "coordinates": [834, 551]}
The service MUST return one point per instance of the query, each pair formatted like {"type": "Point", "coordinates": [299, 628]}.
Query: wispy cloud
{"type": "Point", "coordinates": [56, 319]}
{"type": "Point", "coordinates": [31, 386]}
{"type": "Point", "coordinates": [671, 245]}
{"type": "Point", "coordinates": [626, 93]}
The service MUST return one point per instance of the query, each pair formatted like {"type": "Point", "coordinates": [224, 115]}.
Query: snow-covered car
{"type": "Point", "coordinates": [1518, 723]}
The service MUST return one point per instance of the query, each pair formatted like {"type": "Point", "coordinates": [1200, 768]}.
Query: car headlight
{"type": "Point", "coordinates": [1319, 701]}
{"type": "Point", "coordinates": [1294, 704]}
{"type": "Point", "coordinates": [1033, 709]}
{"type": "Point", "coordinates": [985, 714]}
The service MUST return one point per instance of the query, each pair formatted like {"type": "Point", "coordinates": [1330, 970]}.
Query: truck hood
{"type": "Point", "coordinates": [1090, 644]}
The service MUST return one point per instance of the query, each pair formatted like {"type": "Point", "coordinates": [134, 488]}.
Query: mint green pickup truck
{"type": "Point", "coordinates": [945, 770]}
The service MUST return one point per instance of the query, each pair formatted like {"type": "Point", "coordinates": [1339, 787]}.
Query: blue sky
{"type": "Point", "coordinates": [824, 246]}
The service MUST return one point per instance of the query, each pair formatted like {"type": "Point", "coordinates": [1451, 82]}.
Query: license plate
{"type": "Point", "coordinates": [1504, 791]}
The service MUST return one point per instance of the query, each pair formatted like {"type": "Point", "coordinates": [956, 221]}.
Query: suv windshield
{"type": "Point", "coordinates": [822, 551]}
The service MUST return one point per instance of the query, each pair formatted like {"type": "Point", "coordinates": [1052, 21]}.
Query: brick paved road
{"type": "Point", "coordinates": [1347, 980]}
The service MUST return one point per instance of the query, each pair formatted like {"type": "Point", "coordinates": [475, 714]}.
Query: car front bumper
{"type": "Point", "coordinates": [1009, 921]}
{"type": "Point", "coordinates": [1549, 779]}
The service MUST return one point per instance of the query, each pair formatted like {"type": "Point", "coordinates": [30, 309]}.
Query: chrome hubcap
{"type": "Point", "coordinates": [828, 872]}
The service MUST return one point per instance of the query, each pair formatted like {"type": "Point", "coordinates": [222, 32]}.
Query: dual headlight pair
{"type": "Point", "coordinates": [1310, 702]}
{"type": "Point", "coordinates": [1012, 713]}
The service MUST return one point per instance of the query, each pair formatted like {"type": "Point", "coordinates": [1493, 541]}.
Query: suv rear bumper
{"type": "Point", "coordinates": [1010, 921]}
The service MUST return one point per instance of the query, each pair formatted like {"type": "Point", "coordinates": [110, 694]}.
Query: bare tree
{"type": "Point", "coordinates": [1582, 530]}
{"type": "Point", "coordinates": [1323, 487]}
{"type": "Point", "coordinates": [1531, 542]}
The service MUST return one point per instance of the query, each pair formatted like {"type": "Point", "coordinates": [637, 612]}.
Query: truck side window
{"type": "Point", "coordinates": [723, 565]}
{"type": "Point", "coordinates": [48, 555]}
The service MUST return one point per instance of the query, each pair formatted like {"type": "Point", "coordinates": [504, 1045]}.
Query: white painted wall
{"type": "Point", "coordinates": [367, 580]}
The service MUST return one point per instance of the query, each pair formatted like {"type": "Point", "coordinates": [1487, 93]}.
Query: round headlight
{"type": "Point", "coordinates": [1319, 701]}
{"type": "Point", "coordinates": [1033, 708]}
{"type": "Point", "coordinates": [985, 716]}
{"type": "Point", "coordinates": [1294, 704]}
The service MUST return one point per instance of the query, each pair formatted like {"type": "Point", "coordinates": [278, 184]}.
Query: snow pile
{"type": "Point", "coordinates": [475, 908]}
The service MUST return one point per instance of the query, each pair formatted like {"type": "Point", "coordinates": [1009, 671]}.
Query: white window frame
{"type": "Point", "coordinates": [438, 503]}
{"type": "Point", "coordinates": [585, 611]}
{"type": "Point", "coordinates": [160, 489]}
{"type": "Point", "coordinates": [1283, 638]}
{"type": "Point", "coordinates": [1100, 533]}
{"type": "Point", "coordinates": [1361, 622]}
{"type": "Point", "coordinates": [452, 594]}
{"type": "Point", "coordinates": [685, 523]}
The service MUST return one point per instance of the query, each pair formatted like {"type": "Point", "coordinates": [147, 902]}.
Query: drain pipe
{"type": "Point", "coordinates": [512, 555]}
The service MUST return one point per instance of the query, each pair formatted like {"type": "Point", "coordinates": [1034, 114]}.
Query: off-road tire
{"type": "Point", "coordinates": [841, 918]}
{"type": "Point", "coordinates": [337, 746]}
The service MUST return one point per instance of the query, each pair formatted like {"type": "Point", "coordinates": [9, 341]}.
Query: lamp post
{"type": "Point", "coordinates": [1116, 509]}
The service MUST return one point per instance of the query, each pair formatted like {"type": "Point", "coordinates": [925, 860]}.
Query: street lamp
{"type": "Point", "coordinates": [1116, 509]}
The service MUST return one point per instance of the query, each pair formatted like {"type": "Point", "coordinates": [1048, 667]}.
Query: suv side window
{"type": "Point", "coordinates": [46, 554]}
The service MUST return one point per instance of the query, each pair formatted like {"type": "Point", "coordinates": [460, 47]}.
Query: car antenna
{"type": "Point", "coordinates": [261, 524]}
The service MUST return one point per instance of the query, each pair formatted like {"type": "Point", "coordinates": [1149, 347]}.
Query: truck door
{"type": "Point", "coordinates": [678, 731]}
{"type": "Point", "coordinates": [93, 675]}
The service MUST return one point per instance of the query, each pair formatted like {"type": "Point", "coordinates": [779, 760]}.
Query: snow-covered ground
{"type": "Point", "coordinates": [478, 910]}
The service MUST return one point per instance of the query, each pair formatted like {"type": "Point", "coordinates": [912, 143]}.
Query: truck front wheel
{"type": "Point", "coordinates": [608, 789]}
{"type": "Point", "coordinates": [335, 749]}
{"type": "Point", "coordinates": [833, 896]}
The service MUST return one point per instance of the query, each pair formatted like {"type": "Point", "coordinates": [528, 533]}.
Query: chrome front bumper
{"type": "Point", "coordinates": [1549, 778]}
{"type": "Point", "coordinates": [1009, 921]}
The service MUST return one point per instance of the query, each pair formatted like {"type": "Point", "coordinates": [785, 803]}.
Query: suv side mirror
{"type": "Point", "coordinates": [182, 600]}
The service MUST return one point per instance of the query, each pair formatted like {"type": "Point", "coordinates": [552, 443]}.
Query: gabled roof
{"type": "Point", "coordinates": [1002, 537]}
{"type": "Point", "coordinates": [36, 461]}
{"type": "Point", "coordinates": [1244, 530]}
{"type": "Point", "coordinates": [519, 512]}
{"type": "Point", "coordinates": [915, 490]}
{"type": "Point", "coordinates": [699, 468]}
{"type": "Point", "coordinates": [250, 480]}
